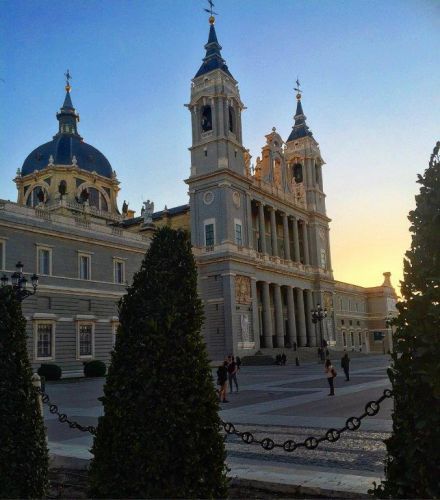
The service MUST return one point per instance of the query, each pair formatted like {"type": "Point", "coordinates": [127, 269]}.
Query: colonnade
{"type": "Point", "coordinates": [285, 313]}
{"type": "Point", "coordinates": [295, 231]}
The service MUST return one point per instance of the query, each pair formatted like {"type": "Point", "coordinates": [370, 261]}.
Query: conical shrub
{"type": "Point", "coordinates": [23, 450]}
{"type": "Point", "coordinates": [160, 433]}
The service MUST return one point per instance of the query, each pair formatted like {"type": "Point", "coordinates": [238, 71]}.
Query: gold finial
{"type": "Point", "coordinates": [68, 78]}
{"type": "Point", "coordinates": [210, 11]}
{"type": "Point", "coordinates": [298, 90]}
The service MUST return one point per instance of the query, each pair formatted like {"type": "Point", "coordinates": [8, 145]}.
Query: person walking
{"type": "Point", "coordinates": [345, 365]}
{"type": "Point", "coordinates": [232, 373]}
{"type": "Point", "coordinates": [222, 381]}
{"type": "Point", "coordinates": [330, 373]}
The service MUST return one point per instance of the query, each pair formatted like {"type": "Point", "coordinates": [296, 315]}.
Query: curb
{"type": "Point", "coordinates": [271, 487]}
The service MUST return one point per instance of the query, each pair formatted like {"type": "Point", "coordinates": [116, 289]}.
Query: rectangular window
{"type": "Point", "coordinates": [44, 261]}
{"type": "Point", "coordinates": [238, 235]}
{"type": "Point", "coordinates": [119, 271]}
{"type": "Point", "coordinates": [209, 235]}
{"type": "Point", "coordinates": [85, 341]}
{"type": "Point", "coordinates": [84, 267]}
{"type": "Point", "coordinates": [44, 341]}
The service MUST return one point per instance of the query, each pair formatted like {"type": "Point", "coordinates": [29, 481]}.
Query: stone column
{"type": "Point", "coordinates": [273, 232]}
{"type": "Point", "coordinates": [249, 221]}
{"type": "Point", "coordinates": [311, 327]}
{"type": "Point", "coordinates": [286, 237]}
{"type": "Point", "coordinates": [291, 325]}
{"type": "Point", "coordinates": [262, 228]}
{"type": "Point", "coordinates": [267, 320]}
{"type": "Point", "coordinates": [302, 334]}
{"type": "Point", "coordinates": [297, 255]}
{"type": "Point", "coordinates": [255, 319]}
{"type": "Point", "coordinates": [279, 330]}
{"type": "Point", "coordinates": [329, 259]}
{"type": "Point", "coordinates": [305, 242]}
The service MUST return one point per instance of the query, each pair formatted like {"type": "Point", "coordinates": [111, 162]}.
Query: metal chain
{"type": "Point", "coordinates": [62, 417]}
{"type": "Point", "coordinates": [332, 435]}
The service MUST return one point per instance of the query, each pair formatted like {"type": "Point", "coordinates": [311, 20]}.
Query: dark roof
{"type": "Point", "coordinates": [213, 58]}
{"type": "Point", "coordinates": [300, 129]}
{"type": "Point", "coordinates": [157, 215]}
{"type": "Point", "coordinates": [66, 144]}
{"type": "Point", "coordinates": [63, 147]}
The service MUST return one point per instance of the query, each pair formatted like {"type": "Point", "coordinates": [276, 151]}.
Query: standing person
{"type": "Point", "coordinates": [232, 373]}
{"type": "Point", "coordinates": [330, 373]}
{"type": "Point", "coordinates": [238, 361]}
{"type": "Point", "coordinates": [222, 381]}
{"type": "Point", "coordinates": [327, 353]}
{"type": "Point", "coordinates": [283, 359]}
{"type": "Point", "coordinates": [345, 365]}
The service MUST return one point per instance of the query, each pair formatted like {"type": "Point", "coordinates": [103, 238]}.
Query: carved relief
{"type": "Point", "coordinates": [244, 323]}
{"type": "Point", "coordinates": [236, 199]}
{"type": "Point", "coordinates": [243, 290]}
{"type": "Point", "coordinates": [300, 194]}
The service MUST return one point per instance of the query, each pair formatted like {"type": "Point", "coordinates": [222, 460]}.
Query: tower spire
{"type": "Point", "coordinates": [300, 128]}
{"type": "Point", "coordinates": [67, 116]}
{"type": "Point", "coordinates": [213, 58]}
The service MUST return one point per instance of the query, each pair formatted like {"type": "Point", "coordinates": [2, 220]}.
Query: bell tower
{"type": "Point", "coordinates": [215, 114]}
{"type": "Point", "coordinates": [305, 162]}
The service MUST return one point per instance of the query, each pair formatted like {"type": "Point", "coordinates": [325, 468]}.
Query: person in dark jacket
{"type": "Point", "coordinates": [222, 381]}
{"type": "Point", "coordinates": [345, 365]}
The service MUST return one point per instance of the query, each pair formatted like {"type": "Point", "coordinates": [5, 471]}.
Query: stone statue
{"type": "Point", "coordinates": [125, 207]}
{"type": "Point", "coordinates": [74, 161]}
{"type": "Point", "coordinates": [147, 212]}
{"type": "Point", "coordinates": [51, 160]}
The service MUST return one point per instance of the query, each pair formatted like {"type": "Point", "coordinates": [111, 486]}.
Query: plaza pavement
{"type": "Point", "coordinates": [281, 402]}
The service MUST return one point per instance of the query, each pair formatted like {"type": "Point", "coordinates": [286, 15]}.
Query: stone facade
{"type": "Point", "coordinates": [260, 236]}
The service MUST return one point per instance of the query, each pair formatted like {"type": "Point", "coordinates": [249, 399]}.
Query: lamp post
{"type": "Point", "coordinates": [389, 325]}
{"type": "Point", "coordinates": [19, 282]}
{"type": "Point", "coordinates": [318, 314]}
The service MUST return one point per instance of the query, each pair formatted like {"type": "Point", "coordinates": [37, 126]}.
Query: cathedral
{"type": "Point", "coordinates": [260, 236]}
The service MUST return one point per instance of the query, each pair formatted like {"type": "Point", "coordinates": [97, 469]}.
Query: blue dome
{"type": "Point", "coordinates": [63, 148]}
{"type": "Point", "coordinates": [67, 144]}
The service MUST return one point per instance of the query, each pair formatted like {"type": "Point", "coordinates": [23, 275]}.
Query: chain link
{"type": "Point", "coordinates": [310, 443]}
{"type": "Point", "coordinates": [62, 417]}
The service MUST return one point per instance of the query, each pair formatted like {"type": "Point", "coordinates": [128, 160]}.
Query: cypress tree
{"type": "Point", "coordinates": [160, 433]}
{"type": "Point", "coordinates": [23, 450]}
{"type": "Point", "coordinates": [412, 466]}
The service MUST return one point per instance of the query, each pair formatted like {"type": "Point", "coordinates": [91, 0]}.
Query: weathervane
{"type": "Point", "coordinates": [211, 12]}
{"type": "Point", "coordinates": [298, 89]}
{"type": "Point", "coordinates": [68, 78]}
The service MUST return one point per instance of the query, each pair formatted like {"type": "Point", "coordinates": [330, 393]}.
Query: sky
{"type": "Point", "coordinates": [369, 72]}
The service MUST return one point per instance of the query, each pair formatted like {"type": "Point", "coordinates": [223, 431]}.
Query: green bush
{"type": "Point", "coordinates": [94, 368]}
{"type": "Point", "coordinates": [160, 436]}
{"type": "Point", "coordinates": [257, 360]}
{"type": "Point", "coordinates": [50, 371]}
{"type": "Point", "coordinates": [413, 457]}
{"type": "Point", "coordinates": [23, 450]}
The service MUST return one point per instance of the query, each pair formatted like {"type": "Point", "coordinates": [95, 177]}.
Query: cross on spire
{"type": "Point", "coordinates": [211, 12]}
{"type": "Point", "coordinates": [68, 78]}
{"type": "Point", "coordinates": [298, 89]}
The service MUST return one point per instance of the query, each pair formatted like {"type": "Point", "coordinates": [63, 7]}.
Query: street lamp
{"type": "Point", "coordinates": [19, 283]}
{"type": "Point", "coordinates": [389, 325]}
{"type": "Point", "coordinates": [318, 315]}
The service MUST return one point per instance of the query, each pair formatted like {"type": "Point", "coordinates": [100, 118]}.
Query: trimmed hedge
{"type": "Point", "coordinates": [94, 368]}
{"type": "Point", "coordinates": [24, 457]}
{"type": "Point", "coordinates": [50, 371]}
{"type": "Point", "coordinates": [257, 360]}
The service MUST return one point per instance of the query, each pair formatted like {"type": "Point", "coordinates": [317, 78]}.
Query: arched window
{"type": "Point", "coordinates": [232, 119]}
{"type": "Point", "coordinates": [97, 199]}
{"type": "Point", "coordinates": [298, 172]}
{"type": "Point", "coordinates": [36, 196]}
{"type": "Point", "coordinates": [206, 118]}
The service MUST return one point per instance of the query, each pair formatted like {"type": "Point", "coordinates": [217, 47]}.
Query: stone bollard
{"type": "Point", "coordinates": [36, 382]}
